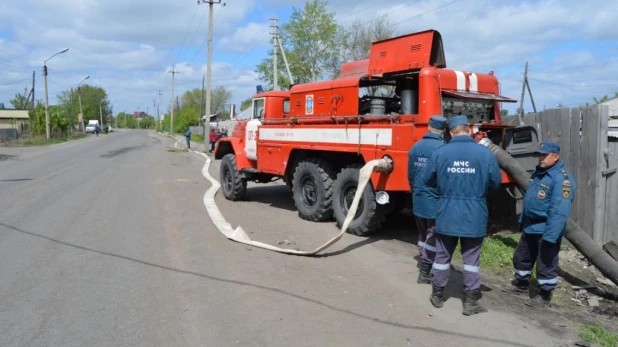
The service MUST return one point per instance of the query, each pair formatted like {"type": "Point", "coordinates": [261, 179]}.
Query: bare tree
{"type": "Point", "coordinates": [362, 33]}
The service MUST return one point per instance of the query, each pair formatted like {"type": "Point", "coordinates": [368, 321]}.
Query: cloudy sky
{"type": "Point", "coordinates": [128, 47]}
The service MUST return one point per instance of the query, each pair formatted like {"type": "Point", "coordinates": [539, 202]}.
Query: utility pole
{"type": "Point", "coordinates": [46, 104]}
{"type": "Point", "coordinates": [101, 112]}
{"type": "Point", "coordinates": [525, 85]}
{"type": "Point", "coordinates": [71, 111]}
{"type": "Point", "coordinates": [47, 135]}
{"type": "Point", "coordinates": [530, 93]}
{"type": "Point", "coordinates": [209, 68]}
{"type": "Point", "coordinates": [81, 112]}
{"type": "Point", "coordinates": [523, 90]}
{"type": "Point", "coordinates": [199, 120]}
{"type": "Point", "coordinates": [173, 72]}
{"type": "Point", "coordinates": [33, 90]}
{"type": "Point", "coordinates": [285, 61]}
{"type": "Point", "coordinates": [275, 46]}
{"type": "Point", "coordinates": [159, 110]}
{"type": "Point", "coordinates": [80, 103]}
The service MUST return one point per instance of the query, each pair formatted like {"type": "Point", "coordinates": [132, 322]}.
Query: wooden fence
{"type": "Point", "coordinates": [591, 158]}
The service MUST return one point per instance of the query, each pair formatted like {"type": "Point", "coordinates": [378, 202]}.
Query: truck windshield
{"type": "Point", "coordinates": [258, 108]}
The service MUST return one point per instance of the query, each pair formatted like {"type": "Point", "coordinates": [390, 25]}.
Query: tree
{"type": "Point", "coordinates": [310, 42]}
{"type": "Point", "coordinates": [245, 104]}
{"type": "Point", "coordinates": [19, 102]}
{"type": "Point", "coordinates": [59, 124]}
{"type": "Point", "coordinates": [360, 35]}
{"type": "Point", "coordinates": [357, 42]}
{"type": "Point", "coordinates": [219, 100]}
{"type": "Point", "coordinates": [604, 98]}
{"type": "Point", "coordinates": [92, 97]}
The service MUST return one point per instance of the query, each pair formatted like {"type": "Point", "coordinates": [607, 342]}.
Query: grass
{"type": "Point", "coordinates": [41, 141]}
{"type": "Point", "coordinates": [197, 138]}
{"type": "Point", "coordinates": [497, 252]}
{"type": "Point", "coordinates": [599, 336]}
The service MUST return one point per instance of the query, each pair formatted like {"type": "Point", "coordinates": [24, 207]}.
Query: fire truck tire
{"type": "Point", "coordinates": [312, 189]}
{"type": "Point", "coordinates": [233, 185]}
{"type": "Point", "coordinates": [369, 216]}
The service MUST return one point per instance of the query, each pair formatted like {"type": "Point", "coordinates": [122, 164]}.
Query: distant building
{"type": "Point", "coordinates": [139, 114]}
{"type": "Point", "coordinates": [13, 123]}
{"type": "Point", "coordinates": [613, 107]}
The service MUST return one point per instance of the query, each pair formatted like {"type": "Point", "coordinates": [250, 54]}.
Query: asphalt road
{"type": "Point", "coordinates": [106, 242]}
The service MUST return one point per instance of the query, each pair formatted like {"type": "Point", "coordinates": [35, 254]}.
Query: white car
{"type": "Point", "coordinates": [90, 128]}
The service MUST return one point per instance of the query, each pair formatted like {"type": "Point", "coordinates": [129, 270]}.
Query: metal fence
{"type": "Point", "coordinates": [591, 157]}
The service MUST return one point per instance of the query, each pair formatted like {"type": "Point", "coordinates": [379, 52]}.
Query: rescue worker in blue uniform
{"type": "Point", "coordinates": [546, 209]}
{"type": "Point", "coordinates": [463, 172]}
{"type": "Point", "coordinates": [424, 198]}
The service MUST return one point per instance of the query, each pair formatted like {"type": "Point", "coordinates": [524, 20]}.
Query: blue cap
{"type": "Point", "coordinates": [457, 120]}
{"type": "Point", "coordinates": [549, 147]}
{"type": "Point", "coordinates": [437, 122]}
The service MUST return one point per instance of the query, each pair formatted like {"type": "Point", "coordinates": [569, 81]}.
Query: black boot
{"type": "Point", "coordinates": [471, 304]}
{"type": "Point", "coordinates": [437, 296]}
{"type": "Point", "coordinates": [516, 287]}
{"type": "Point", "coordinates": [542, 300]}
{"type": "Point", "coordinates": [424, 277]}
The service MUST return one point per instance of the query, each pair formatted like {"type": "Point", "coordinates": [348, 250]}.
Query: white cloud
{"type": "Point", "coordinates": [251, 36]}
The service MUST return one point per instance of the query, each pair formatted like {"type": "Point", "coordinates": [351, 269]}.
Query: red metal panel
{"type": "Point", "coordinates": [354, 69]}
{"type": "Point", "coordinates": [402, 53]}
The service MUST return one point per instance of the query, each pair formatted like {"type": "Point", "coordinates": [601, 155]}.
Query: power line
{"type": "Point", "coordinates": [206, 38]}
{"type": "Point", "coordinates": [575, 85]}
{"type": "Point", "coordinates": [424, 13]}
{"type": "Point", "coordinates": [187, 33]}
{"type": "Point", "coordinates": [10, 83]}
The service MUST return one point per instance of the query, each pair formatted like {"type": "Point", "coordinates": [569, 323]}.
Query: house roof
{"type": "Point", "coordinates": [14, 114]}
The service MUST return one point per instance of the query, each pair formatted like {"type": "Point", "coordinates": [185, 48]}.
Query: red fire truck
{"type": "Point", "coordinates": [316, 136]}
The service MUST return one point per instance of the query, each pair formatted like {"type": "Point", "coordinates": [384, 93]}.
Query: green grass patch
{"type": "Point", "coordinates": [41, 141]}
{"type": "Point", "coordinates": [497, 252]}
{"type": "Point", "coordinates": [197, 137]}
{"type": "Point", "coordinates": [599, 336]}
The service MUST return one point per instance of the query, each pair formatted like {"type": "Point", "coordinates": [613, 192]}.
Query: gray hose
{"type": "Point", "coordinates": [582, 242]}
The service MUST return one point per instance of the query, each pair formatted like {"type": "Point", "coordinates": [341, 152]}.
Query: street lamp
{"type": "Point", "coordinates": [46, 98]}
{"type": "Point", "coordinates": [81, 112]}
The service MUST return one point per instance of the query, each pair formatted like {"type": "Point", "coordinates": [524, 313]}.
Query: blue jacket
{"type": "Point", "coordinates": [547, 203]}
{"type": "Point", "coordinates": [464, 172]}
{"type": "Point", "coordinates": [424, 198]}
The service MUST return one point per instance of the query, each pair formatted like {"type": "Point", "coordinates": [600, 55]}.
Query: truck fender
{"type": "Point", "coordinates": [233, 145]}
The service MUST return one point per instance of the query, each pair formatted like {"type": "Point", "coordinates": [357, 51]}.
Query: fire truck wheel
{"type": "Point", "coordinates": [369, 216]}
{"type": "Point", "coordinates": [233, 185]}
{"type": "Point", "coordinates": [312, 189]}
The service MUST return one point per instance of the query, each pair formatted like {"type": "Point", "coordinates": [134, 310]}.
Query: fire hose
{"type": "Point", "coordinates": [239, 235]}
{"type": "Point", "coordinates": [574, 234]}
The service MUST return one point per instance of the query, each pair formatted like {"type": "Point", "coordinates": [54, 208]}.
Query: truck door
{"type": "Point", "coordinates": [251, 131]}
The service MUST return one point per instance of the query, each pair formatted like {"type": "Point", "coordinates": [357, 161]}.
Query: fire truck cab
{"type": "Point", "coordinates": [316, 136]}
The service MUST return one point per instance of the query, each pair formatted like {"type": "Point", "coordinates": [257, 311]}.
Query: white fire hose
{"type": "Point", "coordinates": [239, 234]}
